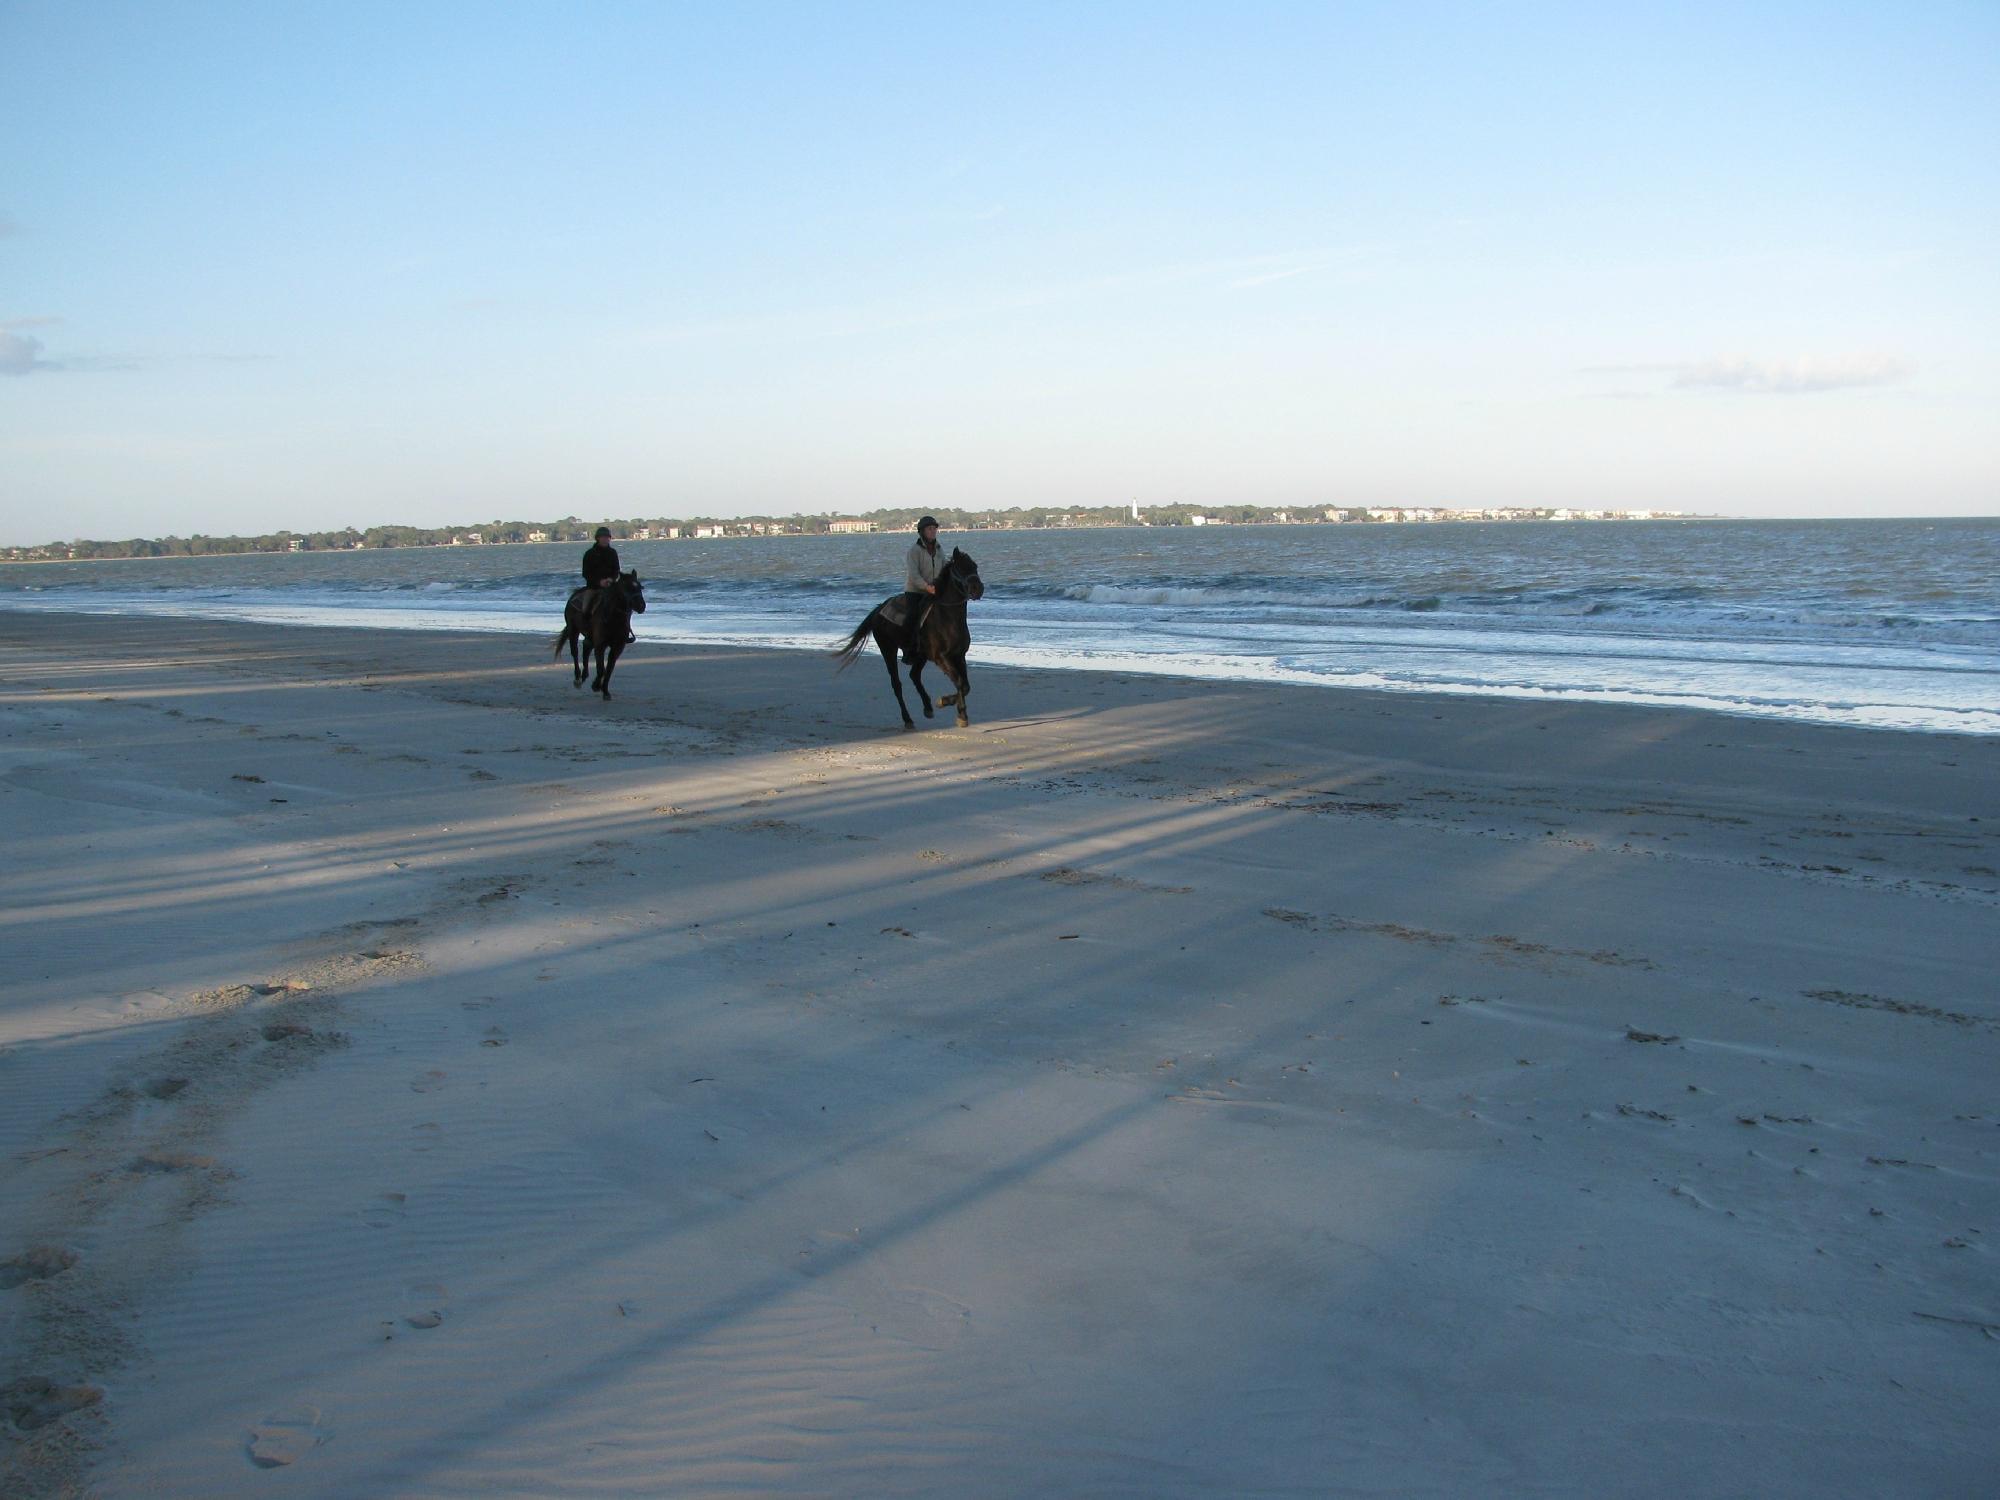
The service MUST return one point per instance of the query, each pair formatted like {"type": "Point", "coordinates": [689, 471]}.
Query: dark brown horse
{"type": "Point", "coordinates": [940, 636]}
{"type": "Point", "coordinates": [599, 619]}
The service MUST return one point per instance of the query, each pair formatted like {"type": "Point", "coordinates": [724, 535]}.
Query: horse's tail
{"type": "Point", "coordinates": [559, 642]}
{"type": "Point", "coordinates": [851, 647]}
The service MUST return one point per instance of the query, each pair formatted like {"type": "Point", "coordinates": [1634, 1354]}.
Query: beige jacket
{"type": "Point", "coordinates": [921, 573]}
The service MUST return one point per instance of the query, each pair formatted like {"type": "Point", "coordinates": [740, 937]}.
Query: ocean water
{"type": "Point", "coordinates": [1890, 624]}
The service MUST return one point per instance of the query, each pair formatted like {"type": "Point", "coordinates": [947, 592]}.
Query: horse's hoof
{"type": "Point", "coordinates": [963, 722]}
{"type": "Point", "coordinates": [927, 714]}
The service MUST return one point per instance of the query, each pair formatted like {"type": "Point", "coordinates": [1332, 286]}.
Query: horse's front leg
{"type": "Point", "coordinates": [917, 682]}
{"type": "Point", "coordinates": [956, 667]}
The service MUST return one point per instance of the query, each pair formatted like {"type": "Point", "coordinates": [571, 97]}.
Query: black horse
{"type": "Point", "coordinates": [941, 637]}
{"type": "Point", "coordinates": [600, 619]}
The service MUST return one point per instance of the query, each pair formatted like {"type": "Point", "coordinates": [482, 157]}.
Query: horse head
{"type": "Point", "coordinates": [635, 596]}
{"type": "Point", "coordinates": [964, 572]}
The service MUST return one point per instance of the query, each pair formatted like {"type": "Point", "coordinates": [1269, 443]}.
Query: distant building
{"type": "Point", "coordinates": [296, 544]}
{"type": "Point", "coordinates": [538, 536]}
{"type": "Point", "coordinates": [848, 525]}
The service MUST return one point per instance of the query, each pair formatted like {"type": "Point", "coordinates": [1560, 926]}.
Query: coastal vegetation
{"type": "Point", "coordinates": [662, 528]}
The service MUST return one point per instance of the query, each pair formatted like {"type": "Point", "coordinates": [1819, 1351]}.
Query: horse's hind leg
{"type": "Point", "coordinates": [612, 652]}
{"type": "Point", "coordinates": [888, 649]}
{"type": "Point", "coordinates": [576, 661]}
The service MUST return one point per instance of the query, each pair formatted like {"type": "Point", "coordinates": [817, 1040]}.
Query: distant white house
{"type": "Point", "coordinates": [296, 544]}
{"type": "Point", "coordinates": [538, 536]}
{"type": "Point", "coordinates": [848, 525]}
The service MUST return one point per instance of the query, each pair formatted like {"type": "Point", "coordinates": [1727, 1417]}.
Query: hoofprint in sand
{"type": "Point", "coordinates": [421, 1080]}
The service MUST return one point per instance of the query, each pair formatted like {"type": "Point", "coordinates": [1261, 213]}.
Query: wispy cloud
{"type": "Point", "coordinates": [1791, 377]}
{"type": "Point", "coordinates": [21, 353]}
{"type": "Point", "coordinates": [1801, 375]}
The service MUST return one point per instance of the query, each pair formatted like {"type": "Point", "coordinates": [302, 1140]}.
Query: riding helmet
{"type": "Point", "coordinates": [604, 531]}
{"type": "Point", "coordinates": [926, 521]}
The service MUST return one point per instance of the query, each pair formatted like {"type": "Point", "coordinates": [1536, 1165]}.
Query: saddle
{"type": "Point", "coordinates": [908, 623]}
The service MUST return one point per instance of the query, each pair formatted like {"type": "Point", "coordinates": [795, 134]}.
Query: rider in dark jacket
{"type": "Point", "coordinates": [600, 563]}
{"type": "Point", "coordinates": [600, 567]}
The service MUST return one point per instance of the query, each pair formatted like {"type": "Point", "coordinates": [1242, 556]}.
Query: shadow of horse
{"type": "Point", "coordinates": [941, 637]}
{"type": "Point", "coordinates": [599, 620]}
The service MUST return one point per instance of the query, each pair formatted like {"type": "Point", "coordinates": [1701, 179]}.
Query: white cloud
{"type": "Point", "coordinates": [1806, 374]}
{"type": "Point", "coordinates": [1801, 376]}
{"type": "Point", "coordinates": [21, 354]}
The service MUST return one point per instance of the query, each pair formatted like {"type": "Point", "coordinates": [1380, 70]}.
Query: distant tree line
{"type": "Point", "coordinates": [902, 518]}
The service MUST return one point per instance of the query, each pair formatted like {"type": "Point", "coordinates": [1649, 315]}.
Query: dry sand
{"type": "Point", "coordinates": [419, 1078]}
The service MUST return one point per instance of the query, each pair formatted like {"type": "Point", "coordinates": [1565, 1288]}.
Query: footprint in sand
{"type": "Point", "coordinates": [164, 1162]}
{"type": "Point", "coordinates": [165, 1088]}
{"type": "Point", "coordinates": [495, 1037]}
{"type": "Point", "coordinates": [426, 1300]}
{"type": "Point", "coordinates": [35, 1401]}
{"type": "Point", "coordinates": [387, 1211]}
{"type": "Point", "coordinates": [38, 1263]}
{"type": "Point", "coordinates": [285, 1437]}
{"type": "Point", "coordinates": [427, 1082]}
{"type": "Point", "coordinates": [428, 1134]}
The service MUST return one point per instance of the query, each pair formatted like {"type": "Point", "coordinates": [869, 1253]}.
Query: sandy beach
{"type": "Point", "coordinates": [420, 1078]}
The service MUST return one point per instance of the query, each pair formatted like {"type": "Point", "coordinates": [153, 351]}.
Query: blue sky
{"type": "Point", "coordinates": [304, 265]}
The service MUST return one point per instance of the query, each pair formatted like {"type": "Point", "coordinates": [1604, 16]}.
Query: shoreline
{"type": "Point", "coordinates": [441, 1080]}
{"type": "Point", "coordinates": [1632, 698]}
